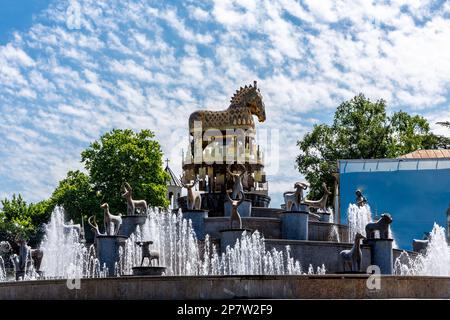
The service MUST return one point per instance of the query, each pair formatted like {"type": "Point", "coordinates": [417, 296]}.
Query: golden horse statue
{"type": "Point", "coordinates": [246, 102]}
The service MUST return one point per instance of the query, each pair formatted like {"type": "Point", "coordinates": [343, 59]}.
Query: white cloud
{"type": "Point", "coordinates": [136, 65]}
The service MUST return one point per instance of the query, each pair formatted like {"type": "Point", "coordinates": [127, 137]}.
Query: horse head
{"type": "Point", "coordinates": [250, 97]}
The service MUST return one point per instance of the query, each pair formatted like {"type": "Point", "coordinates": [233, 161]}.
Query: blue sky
{"type": "Point", "coordinates": [72, 70]}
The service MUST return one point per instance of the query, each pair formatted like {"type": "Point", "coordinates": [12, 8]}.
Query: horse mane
{"type": "Point", "coordinates": [236, 99]}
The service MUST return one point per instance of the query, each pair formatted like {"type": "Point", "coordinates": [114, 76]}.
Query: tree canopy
{"type": "Point", "coordinates": [77, 195]}
{"type": "Point", "coordinates": [19, 220]}
{"type": "Point", "coordinates": [361, 129]}
{"type": "Point", "coordinates": [123, 156]}
{"type": "Point", "coordinates": [118, 156]}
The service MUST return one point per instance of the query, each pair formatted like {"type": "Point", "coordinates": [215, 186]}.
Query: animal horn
{"type": "Point", "coordinates": [229, 171]}
{"type": "Point", "coordinates": [182, 183]}
{"type": "Point", "coordinates": [241, 197]}
{"type": "Point", "coordinates": [244, 171]}
{"type": "Point", "coordinates": [228, 196]}
{"type": "Point", "coordinates": [128, 186]}
{"type": "Point", "coordinates": [93, 224]}
{"type": "Point", "coordinates": [254, 84]}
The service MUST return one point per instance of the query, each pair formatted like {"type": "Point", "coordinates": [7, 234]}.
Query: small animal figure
{"type": "Point", "coordinates": [112, 222]}
{"type": "Point", "coordinates": [68, 228]}
{"type": "Point", "coordinates": [26, 256]}
{"type": "Point", "coordinates": [382, 225]}
{"type": "Point", "coordinates": [235, 216]}
{"type": "Point", "coordinates": [292, 199]}
{"type": "Point", "coordinates": [133, 205]}
{"type": "Point", "coordinates": [147, 253]}
{"type": "Point", "coordinates": [322, 202]}
{"type": "Point", "coordinates": [194, 199]}
{"type": "Point", "coordinates": [352, 258]}
{"type": "Point", "coordinates": [237, 179]}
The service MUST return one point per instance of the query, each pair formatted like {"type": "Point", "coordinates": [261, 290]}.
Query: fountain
{"type": "Point", "coordinates": [64, 254]}
{"type": "Point", "coordinates": [358, 217]}
{"type": "Point", "coordinates": [216, 234]}
{"type": "Point", "coordinates": [434, 261]}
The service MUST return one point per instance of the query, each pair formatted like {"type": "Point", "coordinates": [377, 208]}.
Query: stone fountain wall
{"type": "Point", "coordinates": [231, 287]}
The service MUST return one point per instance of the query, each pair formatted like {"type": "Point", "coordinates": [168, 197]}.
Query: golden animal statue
{"type": "Point", "coordinates": [246, 102]}
{"type": "Point", "coordinates": [235, 216]}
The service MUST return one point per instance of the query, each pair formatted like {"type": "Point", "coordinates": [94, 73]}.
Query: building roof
{"type": "Point", "coordinates": [427, 154]}
{"type": "Point", "coordinates": [173, 180]}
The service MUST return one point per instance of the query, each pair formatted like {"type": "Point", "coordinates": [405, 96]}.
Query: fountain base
{"type": "Point", "coordinates": [148, 271]}
{"type": "Point", "coordinates": [198, 223]}
{"type": "Point", "coordinates": [381, 254]}
{"type": "Point", "coordinates": [130, 223]}
{"type": "Point", "coordinates": [244, 209]}
{"type": "Point", "coordinates": [228, 237]}
{"type": "Point", "coordinates": [294, 225]}
{"type": "Point", "coordinates": [108, 251]}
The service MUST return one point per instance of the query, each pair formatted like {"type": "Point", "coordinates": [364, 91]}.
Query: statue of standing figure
{"type": "Point", "coordinates": [148, 253]}
{"type": "Point", "coordinates": [237, 180]}
{"type": "Point", "coordinates": [320, 204]}
{"type": "Point", "coordinates": [194, 198]}
{"type": "Point", "coordinates": [112, 222]}
{"type": "Point", "coordinates": [352, 258]}
{"type": "Point", "coordinates": [293, 199]}
{"type": "Point", "coordinates": [27, 257]}
{"type": "Point", "coordinates": [235, 216]}
{"type": "Point", "coordinates": [360, 199]}
{"type": "Point", "coordinates": [133, 205]}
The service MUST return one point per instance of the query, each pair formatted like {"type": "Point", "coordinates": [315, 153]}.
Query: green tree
{"type": "Point", "coordinates": [361, 129]}
{"type": "Point", "coordinates": [77, 195]}
{"type": "Point", "coordinates": [21, 220]}
{"type": "Point", "coordinates": [125, 156]}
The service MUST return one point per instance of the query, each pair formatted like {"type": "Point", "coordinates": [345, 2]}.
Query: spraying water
{"type": "Point", "coordinates": [2, 270]}
{"type": "Point", "coordinates": [65, 255]}
{"type": "Point", "coordinates": [358, 218]}
{"type": "Point", "coordinates": [181, 253]}
{"type": "Point", "coordinates": [434, 262]}
{"type": "Point", "coordinates": [334, 232]}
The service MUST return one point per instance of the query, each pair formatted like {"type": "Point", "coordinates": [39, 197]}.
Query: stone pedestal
{"type": "Point", "coordinates": [381, 254]}
{"type": "Point", "coordinates": [130, 223]}
{"type": "Point", "coordinates": [198, 223]}
{"type": "Point", "coordinates": [244, 209]}
{"type": "Point", "coordinates": [228, 237]}
{"type": "Point", "coordinates": [108, 251]}
{"type": "Point", "coordinates": [325, 217]}
{"type": "Point", "coordinates": [148, 271]}
{"type": "Point", "coordinates": [294, 225]}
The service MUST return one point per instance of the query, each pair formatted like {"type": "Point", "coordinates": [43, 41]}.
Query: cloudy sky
{"type": "Point", "coordinates": [73, 70]}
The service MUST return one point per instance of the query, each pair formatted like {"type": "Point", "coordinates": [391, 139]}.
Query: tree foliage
{"type": "Point", "coordinates": [361, 129]}
{"type": "Point", "coordinates": [77, 195]}
{"type": "Point", "coordinates": [125, 156]}
{"type": "Point", "coordinates": [19, 220]}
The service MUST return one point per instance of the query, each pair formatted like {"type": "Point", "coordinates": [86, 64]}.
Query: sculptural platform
{"type": "Point", "coordinates": [228, 237]}
{"type": "Point", "coordinates": [198, 221]}
{"type": "Point", "coordinates": [108, 250]}
{"type": "Point", "coordinates": [341, 286]}
{"type": "Point", "coordinates": [244, 209]}
{"type": "Point", "coordinates": [148, 271]}
{"type": "Point", "coordinates": [214, 202]}
{"type": "Point", "coordinates": [294, 225]}
{"type": "Point", "coordinates": [130, 223]}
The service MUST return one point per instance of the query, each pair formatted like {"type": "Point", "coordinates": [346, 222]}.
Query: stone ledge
{"type": "Point", "coordinates": [213, 287]}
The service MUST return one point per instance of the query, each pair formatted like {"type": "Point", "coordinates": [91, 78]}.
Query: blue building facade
{"type": "Point", "coordinates": [416, 192]}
